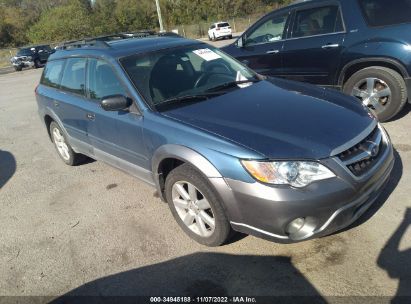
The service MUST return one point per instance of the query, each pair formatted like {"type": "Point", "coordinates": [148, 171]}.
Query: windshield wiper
{"type": "Point", "coordinates": [231, 84]}
{"type": "Point", "coordinates": [187, 98]}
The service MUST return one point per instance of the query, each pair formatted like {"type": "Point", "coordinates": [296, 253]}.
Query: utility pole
{"type": "Point", "coordinates": [160, 19]}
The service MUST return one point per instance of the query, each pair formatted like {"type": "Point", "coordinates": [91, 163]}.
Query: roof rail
{"type": "Point", "coordinates": [103, 41]}
{"type": "Point", "coordinates": [85, 43]}
{"type": "Point", "coordinates": [299, 1]}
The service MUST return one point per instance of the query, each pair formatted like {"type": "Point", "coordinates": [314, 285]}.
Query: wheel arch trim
{"type": "Point", "coordinates": [372, 61]}
{"type": "Point", "coordinates": [184, 154]}
{"type": "Point", "coordinates": [54, 116]}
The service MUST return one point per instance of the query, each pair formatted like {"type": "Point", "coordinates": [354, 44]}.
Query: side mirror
{"type": "Point", "coordinates": [240, 42]}
{"type": "Point", "coordinates": [115, 103]}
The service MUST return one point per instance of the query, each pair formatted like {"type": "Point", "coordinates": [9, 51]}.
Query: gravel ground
{"type": "Point", "coordinates": [94, 230]}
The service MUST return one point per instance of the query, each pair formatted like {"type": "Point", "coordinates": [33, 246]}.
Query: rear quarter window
{"type": "Point", "coordinates": [386, 12]}
{"type": "Point", "coordinates": [52, 73]}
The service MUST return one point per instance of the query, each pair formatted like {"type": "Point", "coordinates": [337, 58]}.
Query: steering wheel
{"type": "Point", "coordinates": [213, 65]}
{"type": "Point", "coordinates": [268, 37]}
{"type": "Point", "coordinates": [206, 76]}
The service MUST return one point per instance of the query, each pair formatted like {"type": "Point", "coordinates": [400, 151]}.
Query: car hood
{"type": "Point", "coordinates": [280, 119]}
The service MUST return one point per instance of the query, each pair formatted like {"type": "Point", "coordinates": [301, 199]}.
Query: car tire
{"type": "Point", "coordinates": [180, 178]}
{"type": "Point", "coordinates": [230, 37]}
{"type": "Point", "coordinates": [18, 68]}
{"type": "Point", "coordinates": [63, 148]}
{"type": "Point", "coordinates": [37, 64]}
{"type": "Point", "coordinates": [383, 81]}
{"type": "Point", "coordinates": [214, 38]}
{"type": "Point", "coordinates": [209, 37]}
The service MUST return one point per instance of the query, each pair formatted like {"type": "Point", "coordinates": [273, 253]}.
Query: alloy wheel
{"type": "Point", "coordinates": [193, 208]}
{"type": "Point", "coordinates": [374, 93]}
{"type": "Point", "coordinates": [61, 145]}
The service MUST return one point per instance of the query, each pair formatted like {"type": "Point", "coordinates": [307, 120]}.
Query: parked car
{"type": "Point", "coordinates": [224, 146]}
{"type": "Point", "coordinates": [361, 47]}
{"type": "Point", "coordinates": [220, 30]}
{"type": "Point", "coordinates": [33, 56]}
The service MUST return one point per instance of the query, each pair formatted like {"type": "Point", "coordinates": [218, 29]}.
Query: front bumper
{"type": "Point", "coordinates": [326, 206]}
{"type": "Point", "coordinates": [23, 64]}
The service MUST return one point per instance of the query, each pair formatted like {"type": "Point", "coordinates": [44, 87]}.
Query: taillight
{"type": "Point", "coordinates": [217, 29]}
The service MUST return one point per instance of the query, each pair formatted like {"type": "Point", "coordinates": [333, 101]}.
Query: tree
{"type": "Point", "coordinates": [49, 21]}
{"type": "Point", "coordinates": [134, 15]}
{"type": "Point", "coordinates": [67, 22]}
{"type": "Point", "coordinates": [104, 21]}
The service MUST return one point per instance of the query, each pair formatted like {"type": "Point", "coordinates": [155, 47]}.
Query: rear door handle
{"type": "Point", "coordinates": [273, 52]}
{"type": "Point", "coordinates": [91, 116]}
{"type": "Point", "coordinates": [56, 103]}
{"type": "Point", "coordinates": [330, 46]}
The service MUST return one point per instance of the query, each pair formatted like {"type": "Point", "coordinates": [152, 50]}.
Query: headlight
{"type": "Point", "coordinates": [294, 173]}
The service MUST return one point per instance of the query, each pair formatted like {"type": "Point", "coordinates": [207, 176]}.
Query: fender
{"type": "Point", "coordinates": [394, 62]}
{"type": "Point", "coordinates": [184, 154]}
{"type": "Point", "coordinates": [76, 145]}
{"type": "Point", "coordinates": [48, 111]}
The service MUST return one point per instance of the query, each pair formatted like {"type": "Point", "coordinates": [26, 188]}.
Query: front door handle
{"type": "Point", "coordinates": [330, 46]}
{"type": "Point", "coordinates": [91, 116]}
{"type": "Point", "coordinates": [273, 52]}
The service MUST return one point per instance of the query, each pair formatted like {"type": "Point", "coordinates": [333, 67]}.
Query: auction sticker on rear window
{"type": "Point", "coordinates": [207, 54]}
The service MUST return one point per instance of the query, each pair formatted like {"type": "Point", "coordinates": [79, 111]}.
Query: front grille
{"type": "Point", "coordinates": [362, 157]}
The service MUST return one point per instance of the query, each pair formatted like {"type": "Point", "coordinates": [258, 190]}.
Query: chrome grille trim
{"type": "Point", "coordinates": [355, 140]}
{"type": "Point", "coordinates": [362, 157]}
{"type": "Point", "coordinates": [366, 150]}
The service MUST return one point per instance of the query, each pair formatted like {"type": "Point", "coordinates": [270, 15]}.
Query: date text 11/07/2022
{"type": "Point", "coordinates": [240, 299]}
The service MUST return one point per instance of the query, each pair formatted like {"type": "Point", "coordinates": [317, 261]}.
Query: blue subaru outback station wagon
{"type": "Point", "coordinates": [226, 148]}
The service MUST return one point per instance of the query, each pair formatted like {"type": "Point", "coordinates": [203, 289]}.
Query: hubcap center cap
{"type": "Point", "coordinates": [192, 205]}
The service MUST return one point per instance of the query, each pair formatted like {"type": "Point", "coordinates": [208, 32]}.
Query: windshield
{"type": "Point", "coordinates": [45, 48]}
{"type": "Point", "coordinates": [197, 70]}
{"type": "Point", "coordinates": [24, 52]}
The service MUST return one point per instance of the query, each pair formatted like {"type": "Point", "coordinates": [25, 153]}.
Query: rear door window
{"type": "Point", "coordinates": [74, 77]}
{"type": "Point", "coordinates": [52, 73]}
{"type": "Point", "coordinates": [386, 12]}
{"type": "Point", "coordinates": [317, 21]}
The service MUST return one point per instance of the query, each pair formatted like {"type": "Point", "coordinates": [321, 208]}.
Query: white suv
{"type": "Point", "coordinates": [220, 30]}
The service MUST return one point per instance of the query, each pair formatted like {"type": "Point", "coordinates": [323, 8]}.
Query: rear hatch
{"type": "Point", "coordinates": [224, 28]}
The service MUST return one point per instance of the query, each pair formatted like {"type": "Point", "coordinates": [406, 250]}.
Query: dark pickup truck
{"type": "Point", "coordinates": [33, 56]}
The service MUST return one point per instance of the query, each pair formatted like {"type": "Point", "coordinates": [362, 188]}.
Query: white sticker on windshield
{"type": "Point", "coordinates": [207, 54]}
{"type": "Point", "coordinates": [241, 77]}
